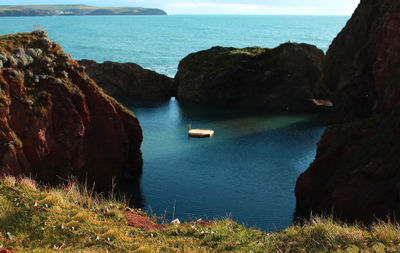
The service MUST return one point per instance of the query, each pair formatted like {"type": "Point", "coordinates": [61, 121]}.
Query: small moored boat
{"type": "Point", "coordinates": [199, 133]}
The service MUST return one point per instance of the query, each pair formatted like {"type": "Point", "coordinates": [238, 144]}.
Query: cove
{"type": "Point", "coordinates": [247, 171]}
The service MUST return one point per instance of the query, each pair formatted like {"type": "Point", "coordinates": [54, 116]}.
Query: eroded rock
{"type": "Point", "coordinates": [53, 127]}
{"type": "Point", "coordinates": [286, 78]}
{"type": "Point", "coordinates": [356, 171]}
{"type": "Point", "coordinates": [129, 80]}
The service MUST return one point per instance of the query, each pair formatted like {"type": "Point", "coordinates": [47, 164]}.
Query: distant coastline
{"type": "Point", "coordinates": [73, 10]}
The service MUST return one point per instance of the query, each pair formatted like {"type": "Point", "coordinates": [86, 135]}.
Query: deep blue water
{"type": "Point", "coordinates": [248, 170]}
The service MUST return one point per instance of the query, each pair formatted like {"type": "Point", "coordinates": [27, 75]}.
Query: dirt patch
{"type": "Point", "coordinates": [8, 250]}
{"type": "Point", "coordinates": [138, 221]}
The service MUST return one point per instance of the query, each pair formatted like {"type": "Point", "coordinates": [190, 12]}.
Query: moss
{"type": "Point", "coordinates": [66, 83]}
{"type": "Point", "coordinates": [251, 51]}
{"type": "Point", "coordinates": [10, 42]}
{"type": "Point", "coordinates": [38, 100]}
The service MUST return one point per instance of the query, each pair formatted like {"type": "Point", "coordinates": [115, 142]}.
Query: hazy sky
{"type": "Point", "coordinates": [317, 7]}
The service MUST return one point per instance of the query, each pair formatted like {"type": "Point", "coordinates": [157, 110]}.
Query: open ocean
{"type": "Point", "coordinates": [160, 42]}
{"type": "Point", "coordinates": [248, 170]}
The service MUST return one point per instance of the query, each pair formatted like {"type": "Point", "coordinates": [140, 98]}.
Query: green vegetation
{"type": "Point", "coordinates": [252, 51]}
{"type": "Point", "coordinates": [47, 7]}
{"type": "Point", "coordinates": [70, 218]}
{"type": "Point", "coordinates": [221, 61]}
{"type": "Point", "coordinates": [38, 100]}
{"type": "Point", "coordinates": [12, 41]}
{"type": "Point", "coordinates": [62, 10]}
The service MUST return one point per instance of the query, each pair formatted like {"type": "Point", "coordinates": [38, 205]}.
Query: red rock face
{"type": "Point", "coordinates": [387, 60]}
{"type": "Point", "coordinates": [55, 122]}
{"type": "Point", "coordinates": [358, 59]}
{"type": "Point", "coordinates": [356, 171]}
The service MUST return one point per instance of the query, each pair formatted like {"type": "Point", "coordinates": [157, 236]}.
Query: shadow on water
{"type": "Point", "coordinates": [140, 103]}
{"type": "Point", "coordinates": [191, 111]}
{"type": "Point", "coordinates": [253, 162]}
{"type": "Point", "coordinates": [132, 190]}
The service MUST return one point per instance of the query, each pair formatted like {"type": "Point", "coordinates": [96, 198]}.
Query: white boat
{"type": "Point", "coordinates": [200, 133]}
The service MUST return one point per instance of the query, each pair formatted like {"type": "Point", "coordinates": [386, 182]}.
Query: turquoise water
{"type": "Point", "coordinates": [248, 170]}
{"type": "Point", "coordinates": [160, 42]}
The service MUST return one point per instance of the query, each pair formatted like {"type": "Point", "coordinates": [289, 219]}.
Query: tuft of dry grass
{"type": "Point", "coordinates": [28, 183]}
{"type": "Point", "coordinates": [387, 232]}
{"type": "Point", "coordinates": [8, 180]}
{"type": "Point", "coordinates": [73, 218]}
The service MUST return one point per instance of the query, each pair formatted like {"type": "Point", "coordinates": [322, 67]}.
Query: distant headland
{"type": "Point", "coordinates": [73, 10]}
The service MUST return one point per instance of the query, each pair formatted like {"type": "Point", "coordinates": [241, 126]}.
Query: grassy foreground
{"type": "Point", "coordinates": [71, 219]}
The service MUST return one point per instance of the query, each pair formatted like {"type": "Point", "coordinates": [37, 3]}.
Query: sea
{"type": "Point", "coordinates": [248, 170]}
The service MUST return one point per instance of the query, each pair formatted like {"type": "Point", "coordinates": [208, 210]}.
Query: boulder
{"type": "Point", "coordinates": [55, 122]}
{"type": "Point", "coordinates": [286, 78]}
{"type": "Point", "coordinates": [356, 171]}
{"type": "Point", "coordinates": [130, 80]}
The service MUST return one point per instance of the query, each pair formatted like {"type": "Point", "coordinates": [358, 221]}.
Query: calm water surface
{"type": "Point", "coordinates": [249, 168]}
{"type": "Point", "coordinates": [160, 42]}
{"type": "Point", "coordinates": [247, 171]}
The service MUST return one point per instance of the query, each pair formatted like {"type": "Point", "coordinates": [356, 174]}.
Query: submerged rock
{"type": "Point", "coordinates": [356, 171]}
{"type": "Point", "coordinates": [286, 78]}
{"type": "Point", "coordinates": [55, 122]}
{"type": "Point", "coordinates": [129, 79]}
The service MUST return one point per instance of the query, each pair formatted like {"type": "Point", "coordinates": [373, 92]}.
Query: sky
{"type": "Point", "coordinates": [296, 7]}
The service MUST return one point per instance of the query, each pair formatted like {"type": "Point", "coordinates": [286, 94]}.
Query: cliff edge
{"type": "Point", "coordinates": [55, 121]}
{"type": "Point", "coordinates": [356, 171]}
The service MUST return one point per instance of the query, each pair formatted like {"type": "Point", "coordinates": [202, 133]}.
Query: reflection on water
{"type": "Point", "coordinates": [247, 171]}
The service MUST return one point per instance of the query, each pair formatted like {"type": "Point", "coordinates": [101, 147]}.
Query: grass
{"type": "Point", "coordinates": [71, 218]}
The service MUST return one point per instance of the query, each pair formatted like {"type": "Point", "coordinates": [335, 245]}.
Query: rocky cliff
{"type": "Point", "coordinates": [286, 78]}
{"type": "Point", "coordinates": [357, 59]}
{"type": "Point", "coordinates": [129, 79]}
{"type": "Point", "coordinates": [56, 122]}
{"type": "Point", "coordinates": [356, 171]}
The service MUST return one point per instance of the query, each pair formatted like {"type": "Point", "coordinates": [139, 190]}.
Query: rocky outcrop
{"type": "Point", "coordinates": [355, 60]}
{"type": "Point", "coordinates": [56, 122]}
{"type": "Point", "coordinates": [286, 78]}
{"type": "Point", "coordinates": [356, 171]}
{"type": "Point", "coordinates": [129, 79]}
